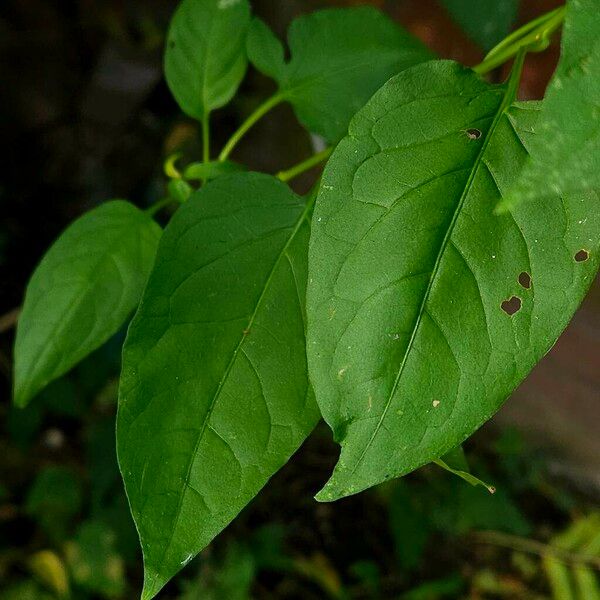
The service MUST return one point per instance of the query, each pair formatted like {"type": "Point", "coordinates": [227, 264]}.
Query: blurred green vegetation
{"type": "Point", "coordinates": [65, 529]}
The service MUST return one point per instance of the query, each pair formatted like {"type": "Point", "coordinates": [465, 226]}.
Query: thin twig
{"type": "Point", "coordinates": [514, 542]}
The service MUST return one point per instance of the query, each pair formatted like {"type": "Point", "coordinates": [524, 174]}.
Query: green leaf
{"type": "Point", "coordinates": [339, 57]}
{"type": "Point", "coordinates": [214, 393]}
{"type": "Point", "coordinates": [565, 153]}
{"type": "Point", "coordinates": [83, 290]}
{"type": "Point", "coordinates": [265, 50]}
{"type": "Point", "coordinates": [425, 309]}
{"type": "Point", "coordinates": [485, 22]}
{"type": "Point", "coordinates": [199, 171]}
{"type": "Point", "coordinates": [205, 56]}
{"type": "Point", "coordinates": [455, 462]}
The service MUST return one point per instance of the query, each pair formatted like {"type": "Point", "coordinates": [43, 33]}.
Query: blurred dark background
{"type": "Point", "coordinates": [86, 116]}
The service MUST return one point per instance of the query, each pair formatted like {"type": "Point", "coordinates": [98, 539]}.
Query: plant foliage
{"type": "Point", "coordinates": [406, 302]}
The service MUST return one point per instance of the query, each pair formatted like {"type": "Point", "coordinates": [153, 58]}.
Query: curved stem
{"type": "Point", "coordinates": [305, 165]}
{"type": "Point", "coordinates": [262, 110]}
{"type": "Point", "coordinates": [152, 210]}
{"type": "Point", "coordinates": [534, 34]}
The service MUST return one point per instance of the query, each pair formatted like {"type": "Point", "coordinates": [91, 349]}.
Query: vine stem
{"type": "Point", "coordinates": [305, 165]}
{"type": "Point", "coordinates": [262, 110]}
{"type": "Point", "coordinates": [533, 36]}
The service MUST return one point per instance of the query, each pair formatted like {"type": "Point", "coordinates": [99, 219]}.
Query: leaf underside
{"type": "Point", "coordinates": [565, 153]}
{"type": "Point", "coordinates": [410, 344]}
{"type": "Point", "coordinates": [339, 57]}
{"type": "Point", "coordinates": [205, 54]}
{"type": "Point", "coordinates": [85, 287]}
{"type": "Point", "coordinates": [214, 394]}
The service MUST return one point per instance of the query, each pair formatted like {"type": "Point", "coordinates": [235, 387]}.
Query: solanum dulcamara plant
{"type": "Point", "coordinates": [450, 238]}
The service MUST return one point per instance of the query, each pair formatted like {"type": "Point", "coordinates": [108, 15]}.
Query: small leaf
{"type": "Point", "coordinates": [339, 57]}
{"type": "Point", "coordinates": [487, 22]}
{"type": "Point", "coordinates": [179, 190]}
{"type": "Point", "coordinates": [455, 462]}
{"type": "Point", "coordinates": [410, 345]}
{"type": "Point", "coordinates": [205, 56]}
{"type": "Point", "coordinates": [565, 153]}
{"type": "Point", "coordinates": [265, 50]}
{"type": "Point", "coordinates": [200, 171]}
{"type": "Point", "coordinates": [214, 394]}
{"type": "Point", "coordinates": [83, 290]}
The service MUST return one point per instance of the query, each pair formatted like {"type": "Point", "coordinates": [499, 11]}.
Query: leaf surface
{"type": "Point", "coordinates": [487, 22]}
{"type": "Point", "coordinates": [81, 293]}
{"type": "Point", "coordinates": [205, 55]}
{"type": "Point", "coordinates": [565, 153]}
{"type": "Point", "coordinates": [214, 394]}
{"type": "Point", "coordinates": [339, 57]}
{"type": "Point", "coordinates": [412, 277]}
{"type": "Point", "coordinates": [265, 50]}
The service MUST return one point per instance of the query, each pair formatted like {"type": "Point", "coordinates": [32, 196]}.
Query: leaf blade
{"type": "Point", "coordinates": [339, 57]}
{"type": "Point", "coordinates": [103, 257]}
{"type": "Point", "coordinates": [486, 23]}
{"type": "Point", "coordinates": [205, 57]}
{"type": "Point", "coordinates": [240, 244]}
{"type": "Point", "coordinates": [564, 157]}
{"type": "Point", "coordinates": [405, 363]}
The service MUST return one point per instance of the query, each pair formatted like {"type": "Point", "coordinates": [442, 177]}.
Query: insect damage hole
{"type": "Point", "coordinates": [582, 255]}
{"type": "Point", "coordinates": [473, 134]}
{"type": "Point", "coordinates": [525, 280]}
{"type": "Point", "coordinates": [512, 305]}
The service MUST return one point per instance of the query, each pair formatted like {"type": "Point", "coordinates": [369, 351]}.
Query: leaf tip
{"type": "Point", "coordinates": [153, 583]}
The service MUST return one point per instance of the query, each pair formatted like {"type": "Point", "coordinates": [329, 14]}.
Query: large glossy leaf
{"type": "Point", "coordinates": [486, 22]}
{"type": "Point", "coordinates": [565, 153]}
{"type": "Point", "coordinates": [85, 287]}
{"type": "Point", "coordinates": [205, 55]}
{"type": "Point", "coordinates": [214, 393]}
{"type": "Point", "coordinates": [425, 309]}
{"type": "Point", "coordinates": [339, 57]}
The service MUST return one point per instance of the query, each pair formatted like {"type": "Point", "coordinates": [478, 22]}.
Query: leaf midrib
{"type": "Point", "coordinates": [508, 99]}
{"type": "Point", "coordinates": [230, 365]}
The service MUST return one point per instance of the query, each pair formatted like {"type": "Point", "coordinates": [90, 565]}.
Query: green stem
{"type": "Point", "coordinates": [305, 165]}
{"type": "Point", "coordinates": [262, 110]}
{"type": "Point", "coordinates": [152, 210]}
{"type": "Point", "coordinates": [206, 137]}
{"type": "Point", "coordinates": [532, 36]}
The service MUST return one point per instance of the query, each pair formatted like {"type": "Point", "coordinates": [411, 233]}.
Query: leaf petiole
{"type": "Point", "coordinates": [262, 110]}
{"type": "Point", "coordinates": [533, 36]}
{"type": "Point", "coordinates": [305, 165]}
{"type": "Point", "coordinates": [152, 210]}
{"type": "Point", "coordinates": [206, 137]}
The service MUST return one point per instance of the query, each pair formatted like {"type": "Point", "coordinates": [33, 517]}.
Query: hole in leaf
{"type": "Point", "coordinates": [582, 255]}
{"type": "Point", "coordinates": [473, 134]}
{"type": "Point", "coordinates": [525, 280]}
{"type": "Point", "coordinates": [512, 305]}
